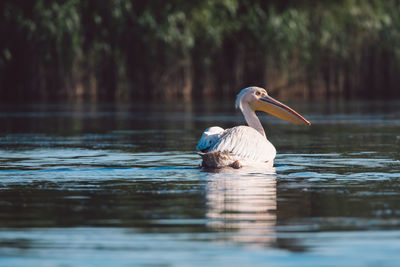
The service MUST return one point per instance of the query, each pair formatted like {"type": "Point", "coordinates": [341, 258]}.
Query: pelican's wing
{"type": "Point", "coordinates": [209, 138]}
{"type": "Point", "coordinates": [205, 142]}
{"type": "Point", "coordinates": [246, 143]}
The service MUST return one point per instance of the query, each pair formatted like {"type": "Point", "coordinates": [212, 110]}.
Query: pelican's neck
{"type": "Point", "coordinates": [251, 118]}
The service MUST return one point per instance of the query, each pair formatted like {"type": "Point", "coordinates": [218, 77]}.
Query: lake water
{"type": "Point", "coordinates": [119, 185]}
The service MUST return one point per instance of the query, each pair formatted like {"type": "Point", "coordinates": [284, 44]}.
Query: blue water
{"type": "Point", "coordinates": [84, 185]}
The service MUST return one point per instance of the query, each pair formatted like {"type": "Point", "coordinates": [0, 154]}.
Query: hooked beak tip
{"type": "Point", "coordinates": [282, 111]}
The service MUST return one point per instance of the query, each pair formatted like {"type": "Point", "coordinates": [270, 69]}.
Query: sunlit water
{"type": "Point", "coordinates": [112, 185]}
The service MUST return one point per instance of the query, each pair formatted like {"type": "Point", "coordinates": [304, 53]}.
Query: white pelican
{"type": "Point", "coordinates": [245, 145]}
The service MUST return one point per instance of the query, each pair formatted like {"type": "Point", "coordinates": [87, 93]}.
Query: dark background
{"type": "Point", "coordinates": [129, 50]}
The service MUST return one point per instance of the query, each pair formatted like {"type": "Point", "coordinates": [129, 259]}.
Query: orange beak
{"type": "Point", "coordinates": [276, 108]}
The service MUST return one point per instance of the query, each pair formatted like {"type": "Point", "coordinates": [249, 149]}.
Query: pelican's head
{"type": "Point", "coordinates": [258, 99]}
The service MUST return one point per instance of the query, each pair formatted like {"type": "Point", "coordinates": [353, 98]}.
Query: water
{"type": "Point", "coordinates": [120, 185]}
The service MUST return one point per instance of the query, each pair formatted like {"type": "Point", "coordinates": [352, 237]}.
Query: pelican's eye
{"type": "Point", "coordinates": [258, 93]}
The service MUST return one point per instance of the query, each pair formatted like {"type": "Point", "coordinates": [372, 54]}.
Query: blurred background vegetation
{"type": "Point", "coordinates": [130, 50]}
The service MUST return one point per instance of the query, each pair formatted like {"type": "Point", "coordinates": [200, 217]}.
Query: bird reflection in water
{"type": "Point", "coordinates": [242, 203]}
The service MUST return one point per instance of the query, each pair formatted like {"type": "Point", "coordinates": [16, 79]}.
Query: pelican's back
{"type": "Point", "coordinates": [244, 144]}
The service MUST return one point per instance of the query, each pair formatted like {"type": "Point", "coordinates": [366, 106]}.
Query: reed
{"type": "Point", "coordinates": [129, 50]}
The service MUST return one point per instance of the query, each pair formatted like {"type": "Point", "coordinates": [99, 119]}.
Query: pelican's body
{"type": "Point", "coordinates": [239, 146]}
{"type": "Point", "coordinates": [245, 145]}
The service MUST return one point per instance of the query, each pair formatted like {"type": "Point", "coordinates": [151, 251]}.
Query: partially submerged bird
{"type": "Point", "coordinates": [245, 145]}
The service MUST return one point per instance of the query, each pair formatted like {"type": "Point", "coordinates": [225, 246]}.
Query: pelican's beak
{"type": "Point", "coordinates": [276, 108]}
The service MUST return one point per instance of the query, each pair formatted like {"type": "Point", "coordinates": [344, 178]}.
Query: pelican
{"type": "Point", "coordinates": [245, 145]}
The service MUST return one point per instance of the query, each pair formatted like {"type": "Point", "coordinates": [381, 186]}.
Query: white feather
{"type": "Point", "coordinates": [209, 138]}
{"type": "Point", "coordinates": [245, 144]}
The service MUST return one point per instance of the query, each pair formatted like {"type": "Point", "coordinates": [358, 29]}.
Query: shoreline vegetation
{"type": "Point", "coordinates": [182, 50]}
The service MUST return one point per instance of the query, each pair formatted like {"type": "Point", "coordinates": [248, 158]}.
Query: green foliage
{"type": "Point", "coordinates": [140, 46]}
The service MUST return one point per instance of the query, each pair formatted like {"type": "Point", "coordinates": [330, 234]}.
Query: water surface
{"type": "Point", "coordinates": [120, 184]}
